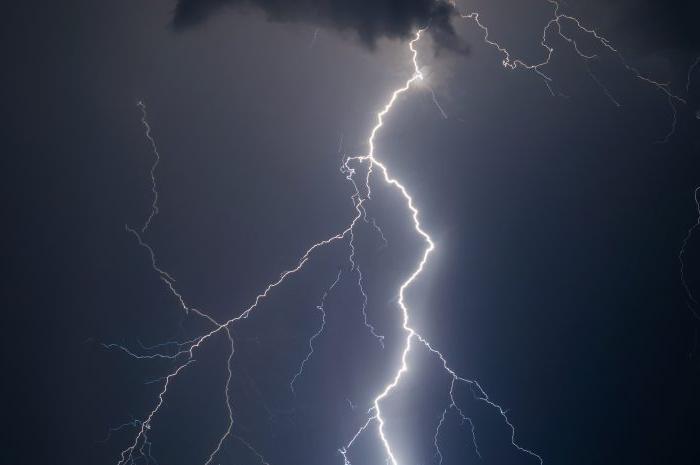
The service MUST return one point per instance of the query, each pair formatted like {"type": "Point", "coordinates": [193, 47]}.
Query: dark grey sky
{"type": "Point", "coordinates": [558, 223]}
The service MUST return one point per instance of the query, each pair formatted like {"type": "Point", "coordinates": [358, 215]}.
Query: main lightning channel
{"type": "Point", "coordinates": [411, 333]}
{"type": "Point", "coordinates": [321, 307]}
{"type": "Point", "coordinates": [185, 350]}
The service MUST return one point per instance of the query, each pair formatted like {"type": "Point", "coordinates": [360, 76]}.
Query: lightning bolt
{"type": "Point", "coordinates": [692, 302]}
{"type": "Point", "coordinates": [156, 161]}
{"type": "Point", "coordinates": [436, 102]}
{"type": "Point", "coordinates": [557, 22]}
{"type": "Point", "coordinates": [438, 452]}
{"type": "Point", "coordinates": [321, 308]}
{"type": "Point", "coordinates": [411, 333]}
{"type": "Point", "coordinates": [184, 353]}
{"type": "Point", "coordinates": [257, 454]}
{"type": "Point", "coordinates": [130, 424]}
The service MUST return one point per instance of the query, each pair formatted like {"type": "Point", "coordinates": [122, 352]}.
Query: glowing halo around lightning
{"type": "Point", "coordinates": [140, 447]}
{"type": "Point", "coordinates": [411, 333]}
{"type": "Point", "coordinates": [184, 351]}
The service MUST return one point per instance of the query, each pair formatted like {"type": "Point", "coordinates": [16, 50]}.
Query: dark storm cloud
{"type": "Point", "coordinates": [370, 19]}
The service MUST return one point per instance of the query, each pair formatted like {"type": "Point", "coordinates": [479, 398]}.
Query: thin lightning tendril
{"type": "Point", "coordinates": [411, 333]}
{"type": "Point", "coordinates": [435, 101]}
{"type": "Point", "coordinates": [438, 452]}
{"type": "Point", "coordinates": [321, 308]}
{"type": "Point", "coordinates": [187, 350]}
{"type": "Point", "coordinates": [183, 353]}
{"type": "Point", "coordinates": [128, 455]}
{"type": "Point", "coordinates": [358, 202]}
{"type": "Point", "coordinates": [556, 20]}
{"type": "Point", "coordinates": [368, 325]}
{"type": "Point", "coordinates": [156, 161]}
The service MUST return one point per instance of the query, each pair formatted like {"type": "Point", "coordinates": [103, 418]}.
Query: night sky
{"type": "Point", "coordinates": [557, 220]}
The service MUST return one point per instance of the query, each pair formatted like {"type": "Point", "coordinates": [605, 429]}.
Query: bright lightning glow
{"type": "Point", "coordinates": [186, 350]}
{"type": "Point", "coordinates": [435, 101]}
{"type": "Point", "coordinates": [556, 20]}
{"type": "Point", "coordinates": [183, 353]}
{"type": "Point", "coordinates": [692, 302]}
{"type": "Point", "coordinates": [156, 161]}
{"type": "Point", "coordinates": [438, 452]}
{"type": "Point", "coordinates": [411, 333]}
{"type": "Point", "coordinates": [135, 451]}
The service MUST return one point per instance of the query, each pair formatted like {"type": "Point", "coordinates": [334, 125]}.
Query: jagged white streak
{"type": "Point", "coordinates": [130, 424]}
{"type": "Point", "coordinates": [556, 20]}
{"type": "Point", "coordinates": [127, 455]}
{"type": "Point", "coordinates": [229, 408]}
{"type": "Point", "coordinates": [165, 344]}
{"type": "Point", "coordinates": [692, 302]}
{"type": "Point", "coordinates": [144, 450]}
{"type": "Point", "coordinates": [156, 355]}
{"type": "Point", "coordinates": [465, 419]}
{"type": "Point", "coordinates": [187, 349]}
{"type": "Point", "coordinates": [156, 161]}
{"type": "Point", "coordinates": [438, 452]}
{"type": "Point", "coordinates": [358, 199]}
{"type": "Point", "coordinates": [411, 333]}
{"type": "Point", "coordinates": [169, 280]}
{"type": "Point", "coordinates": [321, 308]}
{"type": "Point", "coordinates": [430, 246]}
{"type": "Point", "coordinates": [344, 450]}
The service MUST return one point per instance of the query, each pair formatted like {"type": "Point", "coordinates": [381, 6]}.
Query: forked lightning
{"type": "Point", "coordinates": [183, 353]}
